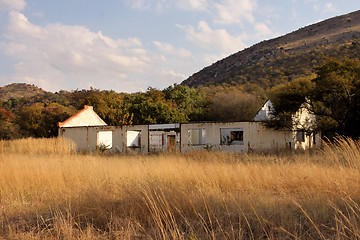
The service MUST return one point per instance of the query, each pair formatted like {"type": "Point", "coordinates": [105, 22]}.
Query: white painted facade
{"type": "Point", "coordinates": [234, 137]}
{"type": "Point", "coordinates": [185, 137]}
{"type": "Point", "coordinates": [124, 139]}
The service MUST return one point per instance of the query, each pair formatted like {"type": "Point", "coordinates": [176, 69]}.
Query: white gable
{"type": "Point", "coordinates": [86, 117]}
{"type": "Point", "coordinates": [265, 113]}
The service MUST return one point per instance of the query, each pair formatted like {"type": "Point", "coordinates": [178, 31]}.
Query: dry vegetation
{"type": "Point", "coordinates": [49, 192]}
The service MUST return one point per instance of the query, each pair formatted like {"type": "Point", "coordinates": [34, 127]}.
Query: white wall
{"type": "Point", "coordinates": [88, 138]}
{"type": "Point", "coordinates": [255, 137]}
{"type": "Point", "coordinates": [212, 138]}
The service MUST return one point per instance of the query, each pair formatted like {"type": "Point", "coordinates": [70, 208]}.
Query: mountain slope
{"type": "Point", "coordinates": [285, 58]}
{"type": "Point", "coordinates": [19, 90]}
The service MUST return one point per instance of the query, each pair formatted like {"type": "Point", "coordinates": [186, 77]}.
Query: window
{"type": "Point", "coordinates": [300, 136]}
{"type": "Point", "coordinates": [105, 139]}
{"type": "Point", "coordinates": [232, 136]}
{"type": "Point", "coordinates": [133, 139]}
{"type": "Point", "coordinates": [197, 136]}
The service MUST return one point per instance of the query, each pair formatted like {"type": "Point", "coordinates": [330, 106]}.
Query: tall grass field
{"type": "Point", "coordinates": [47, 191]}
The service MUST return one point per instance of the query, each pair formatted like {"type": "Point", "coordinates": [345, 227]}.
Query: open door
{"type": "Point", "coordinates": [171, 143]}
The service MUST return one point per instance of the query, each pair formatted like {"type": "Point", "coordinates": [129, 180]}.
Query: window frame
{"type": "Point", "coordinates": [200, 132]}
{"type": "Point", "coordinates": [138, 142]}
{"type": "Point", "coordinates": [226, 136]}
{"type": "Point", "coordinates": [104, 143]}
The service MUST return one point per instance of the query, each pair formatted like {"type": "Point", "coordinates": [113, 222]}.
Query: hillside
{"type": "Point", "coordinates": [19, 90]}
{"type": "Point", "coordinates": [285, 58]}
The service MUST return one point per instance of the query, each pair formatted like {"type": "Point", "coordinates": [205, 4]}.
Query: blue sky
{"type": "Point", "coordinates": [129, 45]}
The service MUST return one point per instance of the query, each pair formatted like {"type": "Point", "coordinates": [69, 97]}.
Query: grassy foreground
{"type": "Point", "coordinates": [49, 192]}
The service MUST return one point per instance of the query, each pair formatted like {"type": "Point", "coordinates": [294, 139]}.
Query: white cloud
{"type": "Point", "coordinates": [19, 24]}
{"type": "Point", "coordinates": [157, 5]}
{"type": "Point", "coordinates": [263, 31]}
{"type": "Point", "coordinates": [56, 55]}
{"type": "Point", "coordinates": [171, 73]}
{"type": "Point", "coordinates": [139, 4]}
{"type": "Point", "coordinates": [235, 11]}
{"type": "Point", "coordinates": [161, 5]}
{"type": "Point", "coordinates": [218, 39]}
{"type": "Point", "coordinates": [164, 47]}
{"type": "Point", "coordinates": [171, 50]}
{"type": "Point", "coordinates": [176, 64]}
{"type": "Point", "coordinates": [330, 7]}
{"type": "Point", "coordinates": [193, 5]}
{"type": "Point", "coordinates": [316, 7]}
{"type": "Point", "coordinates": [327, 7]}
{"type": "Point", "coordinates": [18, 5]}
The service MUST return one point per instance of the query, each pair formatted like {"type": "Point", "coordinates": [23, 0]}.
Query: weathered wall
{"type": "Point", "coordinates": [226, 136]}
{"type": "Point", "coordinates": [263, 138]}
{"type": "Point", "coordinates": [159, 141]}
{"type": "Point", "coordinates": [144, 139]}
{"type": "Point", "coordinates": [87, 138]}
{"type": "Point", "coordinates": [255, 137]}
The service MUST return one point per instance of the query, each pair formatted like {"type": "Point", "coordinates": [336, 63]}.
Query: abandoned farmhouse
{"type": "Point", "coordinates": [89, 132]}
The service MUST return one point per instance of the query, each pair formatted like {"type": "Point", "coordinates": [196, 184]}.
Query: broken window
{"type": "Point", "coordinates": [232, 136]}
{"type": "Point", "coordinates": [300, 136]}
{"type": "Point", "coordinates": [133, 139]}
{"type": "Point", "coordinates": [105, 139]}
{"type": "Point", "coordinates": [197, 136]}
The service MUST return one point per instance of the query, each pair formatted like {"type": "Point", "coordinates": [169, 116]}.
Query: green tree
{"type": "Point", "coordinates": [333, 95]}
{"type": "Point", "coordinates": [40, 120]}
{"type": "Point", "coordinates": [336, 97]}
{"type": "Point", "coordinates": [190, 101]}
{"type": "Point", "coordinates": [152, 107]}
{"type": "Point", "coordinates": [287, 99]}
{"type": "Point", "coordinates": [111, 107]}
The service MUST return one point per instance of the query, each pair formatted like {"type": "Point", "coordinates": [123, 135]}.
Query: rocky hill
{"type": "Point", "coordinates": [19, 90]}
{"type": "Point", "coordinates": [285, 58]}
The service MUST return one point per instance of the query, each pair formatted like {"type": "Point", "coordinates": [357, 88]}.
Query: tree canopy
{"type": "Point", "coordinates": [332, 94]}
{"type": "Point", "coordinates": [336, 96]}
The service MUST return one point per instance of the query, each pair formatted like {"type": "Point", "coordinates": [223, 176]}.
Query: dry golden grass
{"type": "Point", "coordinates": [37, 146]}
{"type": "Point", "coordinates": [56, 194]}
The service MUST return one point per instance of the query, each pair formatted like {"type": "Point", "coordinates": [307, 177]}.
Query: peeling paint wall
{"type": "Point", "coordinates": [255, 136]}
{"type": "Point", "coordinates": [161, 141]}
{"type": "Point", "coordinates": [87, 138]}
{"type": "Point", "coordinates": [225, 136]}
{"type": "Point", "coordinates": [143, 139]}
{"type": "Point", "coordinates": [212, 138]}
